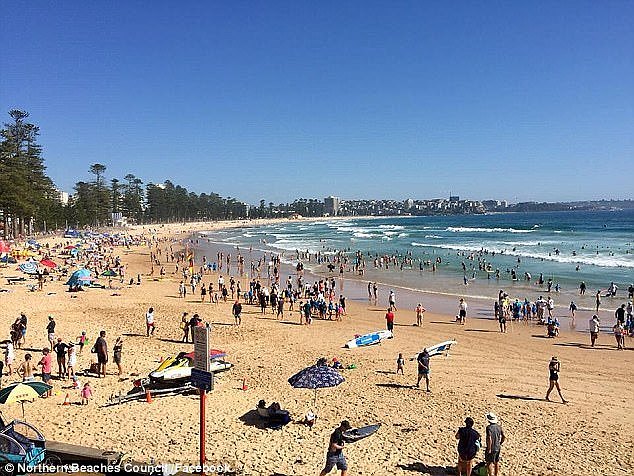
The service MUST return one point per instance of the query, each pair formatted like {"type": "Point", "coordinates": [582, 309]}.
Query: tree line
{"type": "Point", "coordinates": [30, 202]}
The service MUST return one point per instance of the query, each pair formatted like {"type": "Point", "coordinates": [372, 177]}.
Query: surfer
{"type": "Point", "coordinates": [423, 368]}
{"type": "Point", "coordinates": [334, 456]}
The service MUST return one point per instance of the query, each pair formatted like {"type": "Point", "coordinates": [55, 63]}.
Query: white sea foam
{"type": "Point", "coordinates": [360, 234]}
{"type": "Point", "coordinates": [593, 260]}
{"type": "Point", "coordinates": [466, 229]}
{"type": "Point", "coordinates": [433, 237]}
{"type": "Point", "coordinates": [392, 227]}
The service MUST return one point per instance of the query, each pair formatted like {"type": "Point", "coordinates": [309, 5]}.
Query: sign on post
{"type": "Point", "coordinates": [202, 380]}
{"type": "Point", "coordinates": [201, 348]}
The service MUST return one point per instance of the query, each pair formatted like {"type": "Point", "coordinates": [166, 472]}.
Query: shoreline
{"type": "Point", "coordinates": [265, 351]}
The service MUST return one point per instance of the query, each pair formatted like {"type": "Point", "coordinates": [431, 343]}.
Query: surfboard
{"type": "Point", "coordinates": [368, 339]}
{"type": "Point", "coordinates": [357, 434]}
{"type": "Point", "coordinates": [438, 349]}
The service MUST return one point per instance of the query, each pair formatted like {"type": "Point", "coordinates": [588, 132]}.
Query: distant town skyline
{"type": "Point", "coordinates": [518, 101]}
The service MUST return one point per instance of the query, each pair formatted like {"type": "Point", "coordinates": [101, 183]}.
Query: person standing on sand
{"type": "Point", "coordinates": [26, 370]}
{"type": "Point", "coordinates": [389, 318]}
{"type": "Point", "coordinates": [462, 311]}
{"type": "Point", "coordinates": [598, 300]}
{"type": "Point", "coordinates": [101, 349]}
{"type": "Point", "coordinates": [334, 456]}
{"type": "Point", "coordinates": [60, 349]}
{"type": "Point", "coordinates": [50, 330]}
{"type": "Point", "coordinates": [420, 310]}
{"type": "Point", "coordinates": [423, 368]}
{"type": "Point", "coordinates": [594, 329]}
{"type": "Point", "coordinates": [553, 368]}
{"type": "Point", "coordinates": [117, 350]}
{"type": "Point", "coordinates": [149, 322]}
{"type": "Point", "coordinates": [619, 335]}
{"type": "Point", "coordinates": [237, 312]}
{"type": "Point", "coordinates": [46, 362]}
{"type": "Point", "coordinates": [468, 445]}
{"type": "Point", "coordinates": [495, 438]}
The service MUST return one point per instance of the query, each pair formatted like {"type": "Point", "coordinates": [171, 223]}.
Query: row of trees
{"type": "Point", "coordinates": [30, 202]}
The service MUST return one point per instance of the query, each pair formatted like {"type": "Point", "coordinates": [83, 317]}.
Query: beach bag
{"type": "Point", "coordinates": [480, 469]}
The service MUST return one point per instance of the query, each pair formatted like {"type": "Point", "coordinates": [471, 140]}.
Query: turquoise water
{"type": "Point", "coordinates": [567, 247]}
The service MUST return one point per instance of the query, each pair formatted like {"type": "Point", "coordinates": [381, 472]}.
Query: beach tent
{"type": "Point", "coordinates": [79, 277]}
{"type": "Point", "coordinates": [29, 267]}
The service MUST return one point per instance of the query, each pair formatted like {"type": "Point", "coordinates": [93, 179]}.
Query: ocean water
{"type": "Point", "coordinates": [566, 247]}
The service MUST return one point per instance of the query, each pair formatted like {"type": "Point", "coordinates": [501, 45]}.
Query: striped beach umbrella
{"type": "Point", "coordinates": [29, 267]}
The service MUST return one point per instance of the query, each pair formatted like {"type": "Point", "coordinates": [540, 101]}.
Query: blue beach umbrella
{"type": "Point", "coordinates": [316, 376]}
{"type": "Point", "coordinates": [29, 267]}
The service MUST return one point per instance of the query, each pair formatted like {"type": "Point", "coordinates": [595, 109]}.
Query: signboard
{"type": "Point", "coordinates": [202, 380]}
{"type": "Point", "coordinates": [201, 348]}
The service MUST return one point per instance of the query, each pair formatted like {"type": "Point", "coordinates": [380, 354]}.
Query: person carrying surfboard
{"type": "Point", "coordinates": [334, 456]}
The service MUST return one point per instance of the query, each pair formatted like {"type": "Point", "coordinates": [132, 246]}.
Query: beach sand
{"type": "Point", "coordinates": [486, 371]}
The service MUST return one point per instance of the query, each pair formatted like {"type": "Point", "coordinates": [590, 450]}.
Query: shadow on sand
{"type": "Point", "coordinates": [394, 385]}
{"type": "Point", "coordinates": [427, 469]}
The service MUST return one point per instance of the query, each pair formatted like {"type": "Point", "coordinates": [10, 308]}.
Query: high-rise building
{"type": "Point", "coordinates": [332, 206]}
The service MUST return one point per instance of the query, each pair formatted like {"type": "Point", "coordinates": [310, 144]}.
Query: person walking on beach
{"type": "Point", "coordinates": [494, 440]}
{"type": "Point", "coordinates": [468, 445]}
{"type": "Point", "coordinates": [582, 288]}
{"type": "Point", "coordinates": [594, 329]}
{"type": "Point", "coordinates": [116, 357]}
{"type": "Point", "coordinates": [237, 312]}
{"type": "Point", "coordinates": [50, 330]}
{"type": "Point", "coordinates": [423, 368]}
{"type": "Point", "coordinates": [389, 318]}
{"type": "Point", "coordinates": [420, 310]}
{"type": "Point", "coordinates": [553, 368]}
{"type": "Point", "coordinates": [598, 300]}
{"type": "Point", "coordinates": [392, 301]}
{"type": "Point", "coordinates": [9, 357]}
{"type": "Point", "coordinates": [149, 322]}
{"type": "Point", "coordinates": [334, 456]}
{"type": "Point", "coordinates": [619, 335]}
{"type": "Point", "coordinates": [462, 311]}
{"type": "Point", "coordinates": [101, 349]}
{"type": "Point", "coordinates": [400, 365]}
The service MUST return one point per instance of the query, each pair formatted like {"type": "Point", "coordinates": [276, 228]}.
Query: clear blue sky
{"type": "Point", "coordinates": [279, 100]}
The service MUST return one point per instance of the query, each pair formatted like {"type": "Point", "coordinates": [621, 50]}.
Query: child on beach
{"type": "Point", "coordinates": [400, 364]}
{"type": "Point", "coordinates": [82, 341]}
{"type": "Point", "coordinates": [72, 360]}
{"type": "Point", "coordinates": [86, 393]}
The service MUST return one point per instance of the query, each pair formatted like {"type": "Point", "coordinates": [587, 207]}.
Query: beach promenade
{"type": "Point", "coordinates": [486, 371]}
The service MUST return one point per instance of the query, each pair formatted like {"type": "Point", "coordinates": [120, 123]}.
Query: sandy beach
{"type": "Point", "coordinates": [486, 371]}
